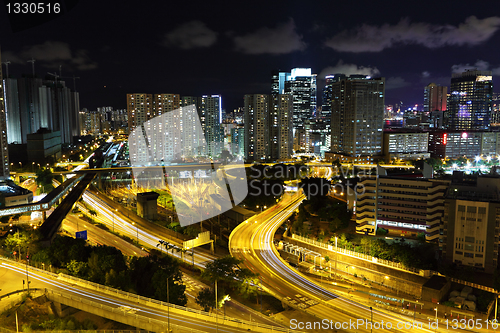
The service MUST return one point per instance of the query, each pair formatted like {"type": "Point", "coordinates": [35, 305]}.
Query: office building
{"type": "Point", "coordinates": [357, 115]}
{"type": "Point", "coordinates": [468, 144]}
{"type": "Point", "coordinates": [471, 222]}
{"type": "Point", "coordinates": [403, 205]}
{"type": "Point", "coordinates": [405, 145]}
{"type": "Point", "coordinates": [301, 84]}
{"type": "Point", "coordinates": [278, 79]}
{"type": "Point", "coordinates": [495, 111]}
{"type": "Point", "coordinates": [268, 124]}
{"type": "Point", "coordinates": [326, 107]}
{"type": "Point", "coordinates": [435, 97]}
{"type": "Point", "coordinates": [470, 100]}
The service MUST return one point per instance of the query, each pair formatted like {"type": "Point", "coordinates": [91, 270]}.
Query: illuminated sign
{"type": "Point", "coordinates": [464, 135]}
{"type": "Point", "coordinates": [445, 138]}
{"type": "Point", "coordinates": [483, 78]}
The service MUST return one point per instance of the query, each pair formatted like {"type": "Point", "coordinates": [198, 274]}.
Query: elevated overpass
{"type": "Point", "coordinates": [47, 202]}
{"type": "Point", "coordinates": [52, 224]}
{"type": "Point", "coordinates": [131, 309]}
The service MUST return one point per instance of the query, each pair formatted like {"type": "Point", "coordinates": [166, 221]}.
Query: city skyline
{"type": "Point", "coordinates": [231, 50]}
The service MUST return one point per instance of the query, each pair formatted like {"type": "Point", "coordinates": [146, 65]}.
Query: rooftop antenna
{"type": "Point", "coordinates": [6, 63]}
{"type": "Point", "coordinates": [32, 66]}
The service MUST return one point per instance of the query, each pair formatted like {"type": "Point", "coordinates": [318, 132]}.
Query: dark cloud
{"type": "Point", "coordinates": [52, 54]}
{"type": "Point", "coordinates": [395, 83]}
{"type": "Point", "coordinates": [480, 65]}
{"type": "Point", "coordinates": [426, 74]}
{"type": "Point", "coordinates": [370, 38]}
{"type": "Point", "coordinates": [349, 69]}
{"type": "Point", "coordinates": [280, 40]}
{"type": "Point", "coordinates": [190, 35]}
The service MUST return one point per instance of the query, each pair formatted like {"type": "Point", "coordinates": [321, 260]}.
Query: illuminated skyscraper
{"type": "Point", "coordinates": [470, 101]}
{"type": "Point", "coordinates": [301, 84]}
{"type": "Point", "coordinates": [435, 97]}
{"type": "Point", "coordinates": [210, 112]}
{"type": "Point", "coordinates": [357, 115]}
{"type": "Point", "coordinates": [326, 108]}
{"type": "Point", "coordinates": [268, 127]}
{"type": "Point", "coordinates": [435, 100]}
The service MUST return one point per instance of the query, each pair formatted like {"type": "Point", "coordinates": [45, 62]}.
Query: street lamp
{"type": "Point", "coordinates": [436, 309]}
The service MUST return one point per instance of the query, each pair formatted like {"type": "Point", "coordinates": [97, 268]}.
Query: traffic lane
{"type": "Point", "coordinates": [183, 319]}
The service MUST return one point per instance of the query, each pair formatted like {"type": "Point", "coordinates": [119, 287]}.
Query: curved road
{"type": "Point", "coordinates": [252, 241]}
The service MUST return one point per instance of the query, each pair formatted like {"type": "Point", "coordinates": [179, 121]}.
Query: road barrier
{"type": "Point", "coordinates": [146, 301]}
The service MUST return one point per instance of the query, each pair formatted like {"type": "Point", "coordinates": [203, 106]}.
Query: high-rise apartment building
{"type": "Point", "coordinates": [256, 132]}
{"type": "Point", "coordinates": [237, 140]}
{"type": "Point", "coordinates": [139, 109]}
{"type": "Point", "coordinates": [357, 115]}
{"type": "Point", "coordinates": [280, 127]}
{"type": "Point", "coordinates": [165, 102]}
{"type": "Point", "coordinates": [470, 100]}
{"type": "Point", "coordinates": [4, 149]}
{"type": "Point", "coordinates": [268, 127]}
{"type": "Point", "coordinates": [210, 112]}
{"type": "Point", "coordinates": [34, 103]}
{"type": "Point", "coordinates": [12, 111]}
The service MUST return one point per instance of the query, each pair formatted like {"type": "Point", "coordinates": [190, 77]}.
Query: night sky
{"type": "Point", "coordinates": [230, 47]}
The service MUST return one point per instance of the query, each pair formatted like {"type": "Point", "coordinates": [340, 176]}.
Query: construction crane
{"type": "Point", "coordinates": [32, 66]}
{"type": "Point", "coordinates": [6, 63]}
{"type": "Point", "coordinates": [65, 77]}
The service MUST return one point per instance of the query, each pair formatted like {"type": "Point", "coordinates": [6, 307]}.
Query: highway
{"type": "Point", "coordinates": [252, 241]}
{"type": "Point", "coordinates": [132, 226]}
{"type": "Point", "coordinates": [98, 236]}
{"type": "Point", "coordinates": [183, 317]}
